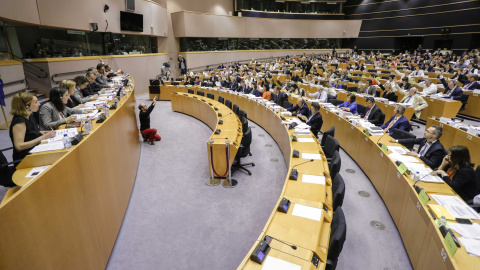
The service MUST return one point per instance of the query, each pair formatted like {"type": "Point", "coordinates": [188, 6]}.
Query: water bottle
{"type": "Point", "coordinates": [442, 221]}
{"type": "Point", "coordinates": [66, 141]}
{"type": "Point", "coordinates": [88, 125]}
{"type": "Point", "coordinates": [106, 111]}
{"type": "Point", "coordinates": [416, 177]}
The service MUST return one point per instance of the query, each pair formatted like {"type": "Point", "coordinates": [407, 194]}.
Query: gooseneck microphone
{"type": "Point", "coordinates": [294, 172]}
{"type": "Point", "coordinates": [285, 243]}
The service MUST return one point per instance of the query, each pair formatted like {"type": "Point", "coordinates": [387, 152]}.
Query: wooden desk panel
{"type": "Point", "coordinates": [472, 108]}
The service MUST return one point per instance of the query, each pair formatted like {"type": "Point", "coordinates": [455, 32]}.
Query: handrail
{"type": "Point", "coordinates": [66, 73]}
{"type": "Point", "coordinates": [33, 72]}
{"type": "Point", "coordinates": [15, 82]}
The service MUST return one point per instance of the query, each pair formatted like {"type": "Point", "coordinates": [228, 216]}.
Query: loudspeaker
{"type": "Point", "coordinates": [94, 26]}
{"type": "Point", "coordinates": [130, 5]}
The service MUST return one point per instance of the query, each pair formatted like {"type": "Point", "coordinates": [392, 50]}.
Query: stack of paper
{"type": "Point", "coordinates": [307, 212]}
{"type": "Point", "coordinates": [405, 159]}
{"type": "Point", "coordinates": [311, 156]}
{"type": "Point", "coordinates": [47, 147]}
{"type": "Point", "coordinates": [456, 206]}
{"type": "Point", "coordinates": [397, 149]}
{"type": "Point", "coordinates": [313, 179]}
{"type": "Point", "coordinates": [466, 230]}
{"type": "Point", "coordinates": [472, 246]}
{"type": "Point", "coordinates": [71, 132]}
{"type": "Point", "coordinates": [272, 263]}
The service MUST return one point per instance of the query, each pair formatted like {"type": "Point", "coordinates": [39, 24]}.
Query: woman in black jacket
{"type": "Point", "coordinates": [457, 171]}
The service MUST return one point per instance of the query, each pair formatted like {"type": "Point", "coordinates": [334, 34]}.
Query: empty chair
{"type": "Point", "coordinates": [360, 108]}
{"type": "Point", "coordinates": [210, 96]}
{"type": "Point", "coordinates": [330, 132]}
{"type": "Point", "coordinates": [243, 151]}
{"type": "Point", "coordinates": [287, 104]}
{"type": "Point", "coordinates": [201, 93]}
{"type": "Point", "coordinates": [244, 125]}
{"type": "Point", "coordinates": [228, 103]}
{"type": "Point", "coordinates": [191, 91]}
{"type": "Point", "coordinates": [7, 169]}
{"type": "Point", "coordinates": [221, 99]}
{"type": "Point", "coordinates": [236, 109]}
{"type": "Point", "coordinates": [401, 134]}
{"type": "Point", "coordinates": [338, 235]}
{"type": "Point", "coordinates": [335, 165]}
{"type": "Point", "coordinates": [338, 190]}
{"type": "Point", "coordinates": [382, 119]}
{"type": "Point", "coordinates": [337, 102]}
{"type": "Point", "coordinates": [395, 98]}
{"type": "Point", "coordinates": [464, 100]}
{"type": "Point", "coordinates": [331, 145]}
{"type": "Point", "coordinates": [242, 114]}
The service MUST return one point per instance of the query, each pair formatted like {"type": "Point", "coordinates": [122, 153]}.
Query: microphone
{"type": "Point", "coordinates": [294, 138]}
{"type": "Point", "coordinates": [294, 172]}
{"type": "Point", "coordinates": [285, 243]}
{"type": "Point", "coordinates": [417, 188]}
{"type": "Point", "coordinates": [378, 142]}
{"type": "Point", "coordinates": [221, 116]}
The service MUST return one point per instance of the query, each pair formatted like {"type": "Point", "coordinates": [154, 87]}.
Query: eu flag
{"type": "Point", "coordinates": [2, 95]}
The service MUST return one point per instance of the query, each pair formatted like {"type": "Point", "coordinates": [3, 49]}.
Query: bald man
{"type": "Point", "coordinates": [300, 108]}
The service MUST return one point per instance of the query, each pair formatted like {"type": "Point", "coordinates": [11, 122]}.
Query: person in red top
{"type": "Point", "coordinates": [149, 134]}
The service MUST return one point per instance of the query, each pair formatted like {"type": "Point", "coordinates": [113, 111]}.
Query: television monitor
{"type": "Point", "coordinates": [131, 21]}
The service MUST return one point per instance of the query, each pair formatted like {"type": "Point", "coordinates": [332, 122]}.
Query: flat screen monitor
{"type": "Point", "coordinates": [131, 21]}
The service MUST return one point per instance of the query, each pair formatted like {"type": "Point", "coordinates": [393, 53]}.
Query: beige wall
{"type": "Point", "coordinates": [76, 14]}
{"type": "Point", "coordinates": [11, 73]}
{"type": "Point", "coordinates": [219, 7]}
{"type": "Point", "coordinates": [191, 24]}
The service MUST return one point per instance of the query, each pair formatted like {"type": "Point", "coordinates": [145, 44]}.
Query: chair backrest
{"type": "Point", "coordinates": [395, 98]}
{"type": "Point", "coordinates": [175, 83]}
{"type": "Point", "coordinates": [236, 109]}
{"type": "Point", "coordinates": [337, 102]}
{"type": "Point", "coordinates": [210, 95]}
{"type": "Point", "coordinates": [287, 104]}
{"type": "Point", "coordinates": [6, 171]}
{"type": "Point", "coordinates": [228, 103]}
{"type": "Point", "coordinates": [246, 141]}
{"type": "Point", "coordinates": [330, 132]}
{"type": "Point", "coordinates": [242, 114]}
{"type": "Point", "coordinates": [352, 89]}
{"type": "Point", "coordinates": [377, 93]}
{"type": "Point", "coordinates": [335, 164]}
{"type": "Point", "coordinates": [477, 172]}
{"type": "Point", "coordinates": [244, 125]}
{"type": "Point", "coordinates": [382, 119]}
{"type": "Point", "coordinates": [338, 190]}
{"type": "Point", "coordinates": [401, 134]}
{"type": "Point", "coordinates": [331, 145]}
{"type": "Point", "coordinates": [201, 93]}
{"type": "Point", "coordinates": [338, 235]}
{"type": "Point", "coordinates": [273, 96]}
{"type": "Point", "coordinates": [360, 108]}
{"type": "Point", "coordinates": [221, 99]}
{"type": "Point", "coordinates": [191, 91]}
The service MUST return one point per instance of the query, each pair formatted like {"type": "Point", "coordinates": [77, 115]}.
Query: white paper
{"type": "Point", "coordinates": [305, 140]}
{"type": "Point", "coordinates": [462, 211]}
{"type": "Point", "coordinates": [472, 246]}
{"type": "Point", "coordinates": [448, 200]}
{"type": "Point", "coordinates": [313, 179]}
{"type": "Point", "coordinates": [36, 171]}
{"type": "Point", "coordinates": [466, 230]}
{"type": "Point", "coordinates": [307, 212]}
{"type": "Point", "coordinates": [48, 147]}
{"type": "Point", "coordinates": [71, 132]}
{"type": "Point", "coordinates": [311, 156]}
{"type": "Point", "coordinates": [398, 149]}
{"type": "Point", "coordinates": [272, 263]}
{"type": "Point", "coordinates": [405, 159]}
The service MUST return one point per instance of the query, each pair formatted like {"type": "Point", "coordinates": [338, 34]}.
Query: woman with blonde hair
{"type": "Point", "coordinates": [71, 87]}
{"type": "Point", "coordinates": [24, 130]}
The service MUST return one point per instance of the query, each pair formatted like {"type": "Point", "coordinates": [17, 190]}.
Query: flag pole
{"type": "Point", "coordinates": [4, 117]}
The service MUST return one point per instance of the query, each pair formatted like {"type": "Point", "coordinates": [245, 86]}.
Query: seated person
{"type": "Point", "coordinates": [452, 90]}
{"type": "Point", "coordinates": [405, 85]}
{"type": "Point", "coordinates": [54, 113]}
{"type": "Point", "coordinates": [429, 88]}
{"type": "Point", "coordinates": [321, 94]}
{"type": "Point", "coordinates": [413, 99]}
{"type": "Point", "coordinates": [472, 83]}
{"type": "Point", "coordinates": [315, 121]}
{"type": "Point", "coordinates": [431, 150]}
{"type": "Point", "coordinates": [93, 87]}
{"type": "Point", "coordinates": [457, 171]}
{"type": "Point", "coordinates": [373, 113]}
{"type": "Point", "coordinates": [350, 105]}
{"type": "Point", "coordinates": [101, 77]}
{"type": "Point", "coordinates": [397, 121]}
{"type": "Point", "coordinates": [266, 94]}
{"type": "Point", "coordinates": [24, 130]}
{"type": "Point", "coordinates": [243, 88]}
{"type": "Point", "coordinates": [388, 92]}
{"type": "Point", "coordinates": [80, 83]}
{"type": "Point", "coordinates": [300, 108]}
{"type": "Point", "coordinates": [369, 89]}
{"type": "Point", "coordinates": [71, 86]}
{"type": "Point", "coordinates": [296, 91]}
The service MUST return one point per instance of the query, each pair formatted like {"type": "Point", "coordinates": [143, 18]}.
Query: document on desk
{"type": "Point", "coordinates": [455, 206]}
{"type": "Point", "coordinates": [307, 212]}
{"type": "Point", "coordinates": [472, 246]}
{"type": "Point", "coordinates": [311, 156]}
{"type": "Point", "coordinates": [405, 159]}
{"type": "Point", "coordinates": [313, 179]}
{"type": "Point", "coordinates": [397, 149]}
{"type": "Point", "coordinates": [36, 171]}
{"type": "Point", "coordinates": [466, 230]}
{"type": "Point", "coordinates": [306, 140]}
{"type": "Point", "coordinates": [47, 147]}
{"type": "Point", "coordinates": [71, 132]}
{"type": "Point", "coordinates": [425, 172]}
{"type": "Point", "coordinates": [272, 263]}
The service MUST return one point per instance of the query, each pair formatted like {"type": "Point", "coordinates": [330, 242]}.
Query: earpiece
{"type": "Point", "coordinates": [25, 104]}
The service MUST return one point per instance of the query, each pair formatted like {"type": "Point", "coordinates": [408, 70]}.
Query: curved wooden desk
{"type": "Point", "coordinates": [70, 215]}
{"type": "Point", "coordinates": [309, 235]}
{"type": "Point", "coordinates": [207, 110]}
{"type": "Point", "coordinates": [421, 237]}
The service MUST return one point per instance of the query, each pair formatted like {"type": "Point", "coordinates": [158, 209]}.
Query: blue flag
{"type": "Point", "coordinates": [2, 95]}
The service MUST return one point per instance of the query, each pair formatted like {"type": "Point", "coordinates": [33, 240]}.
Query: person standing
{"type": "Point", "coordinates": [182, 64]}
{"type": "Point", "coordinates": [148, 134]}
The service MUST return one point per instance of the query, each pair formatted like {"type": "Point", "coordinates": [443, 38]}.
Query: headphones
{"type": "Point", "coordinates": [25, 104]}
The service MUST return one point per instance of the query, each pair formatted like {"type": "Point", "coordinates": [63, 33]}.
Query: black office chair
{"type": "Point", "coordinates": [273, 97]}
{"type": "Point", "coordinates": [242, 114]}
{"type": "Point", "coordinates": [178, 79]}
{"type": "Point", "coordinates": [7, 169]}
{"type": "Point", "coordinates": [175, 83]}
{"type": "Point", "coordinates": [191, 91]}
{"type": "Point", "coordinates": [244, 125]}
{"type": "Point", "coordinates": [201, 93]}
{"type": "Point", "coordinates": [330, 132]}
{"type": "Point", "coordinates": [377, 94]}
{"type": "Point", "coordinates": [335, 165]}
{"type": "Point", "coordinates": [331, 145]}
{"type": "Point", "coordinates": [398, 134]}
{"type": "Point", "coordinates": [360, 108]}
{"type": "Point", "coordinates": [464, 100]}
{"type": "Point", "coordinates": [211, 96]}
{"type": "Point", "coordinates": [338, 190]}
{"type": "Point", "coordinates": [243, 151]}
{"type": "Point", "coordinates": [221, 99]}
{"type": "Point", "coordinates": [382, 120]}
{"type": "Point", "coordinates": [395, 98]}
{"type": "Point", "coordinates": [287, 104]}
{"type": "Point", "coordinates": [228, 103]}
{"type": "Point", "coordinates": [338, 235]}
{"type": "Point", "coordinates": [337, 102]}
{"type": "Point", "coordinates": [352, 89]}
{"type": "Point", "coordinates": [236, 109]}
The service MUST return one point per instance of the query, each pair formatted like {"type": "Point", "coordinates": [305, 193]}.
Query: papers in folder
{"type": "Point", "coordinates": [272, 263]}
{"type": "Point", "coordinates": [456, 206]}
{"type": "Point", "coordinates": [48, 147]}
{"type": "Point", "coordinates": [307, 212]}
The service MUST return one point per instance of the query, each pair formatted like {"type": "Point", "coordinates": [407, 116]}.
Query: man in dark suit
{"type": "Point", "coordinates": [93, 88]}
{"type": "Point", "coordinates": [300, 108]}
{"type": "Point", "coordinates": [451, 89]}
{"type": "Point", "coordinates": [243, 88]}
{"type": "Point", "coordinates": [431, 150]}
{"type": "Point", "coordinates": [398, 121]}
{"type": "Point", "coordinates": [372, 113]}
{"type": "Point", "coordinates": [233, 83]}
{"type": "Point", "coordinates": [369, 89]}
{"type": "Point", "coordinates": [315, 121]}
{"type": "Point", "coordinates": [405, 85]}
{"type": "Point", "coordinates": [472, 83]}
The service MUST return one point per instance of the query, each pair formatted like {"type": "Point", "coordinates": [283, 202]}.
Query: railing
{"type": "Point", "coordinates": [40, 76]}
{"type": "Point", "coordinates": [13, 83]}
{"type": "Point", "coordinates": [67, 73]}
